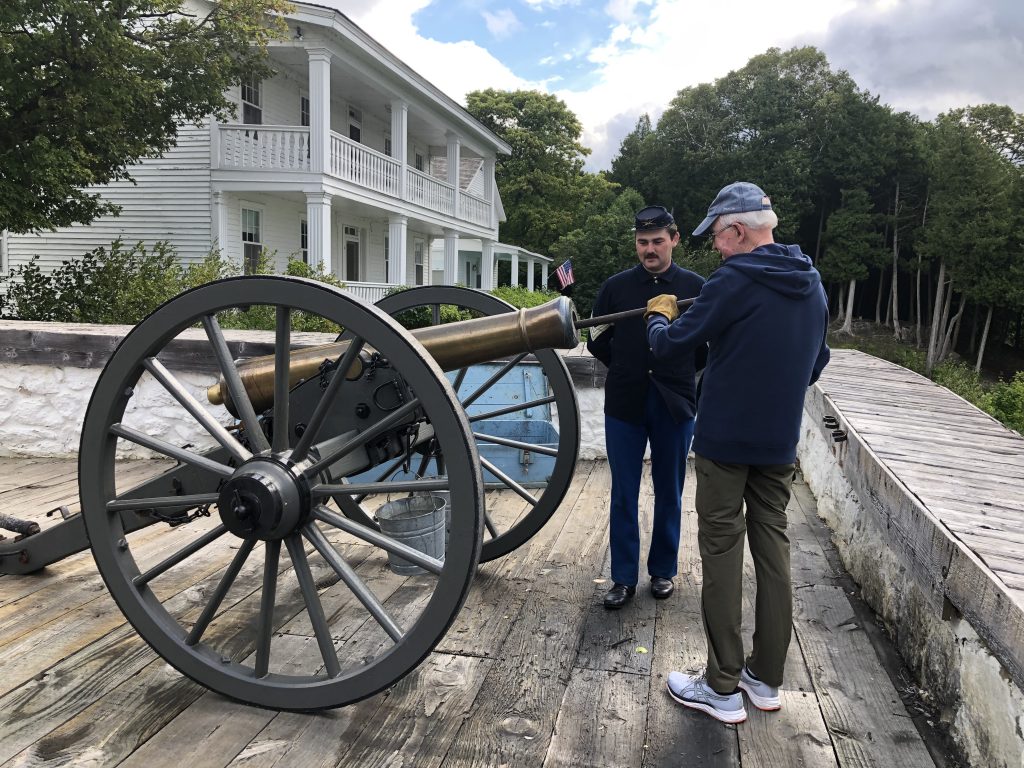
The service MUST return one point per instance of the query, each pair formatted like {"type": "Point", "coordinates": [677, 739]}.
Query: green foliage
{"type": "Point", "coordinates": [1005, 402]}
{"type": "Point", "coordinates": [87, 89]}
{"type": "Point", "coordinates": [543, 186]}
{"type": "Point", "coordinates": [604, 245]}
{"type": "Point", "coordinates": [853, 242]}
{"type": "Point", "coordinates": [121, 285]}
{"type": "Point", "coordinates": [521, 298]}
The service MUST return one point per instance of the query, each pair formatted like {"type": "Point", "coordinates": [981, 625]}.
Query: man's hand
{"type": "Point", "coordinates": [664, 305]}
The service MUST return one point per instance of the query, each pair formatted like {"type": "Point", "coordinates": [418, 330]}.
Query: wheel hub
{"type": "Point", "coordinates": [264, 499]}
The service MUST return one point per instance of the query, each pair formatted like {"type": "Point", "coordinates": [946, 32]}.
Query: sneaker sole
{"type": "Point", "coordinates": [762, 703]}
{"type": "Point", "coordinates": [708, 709]}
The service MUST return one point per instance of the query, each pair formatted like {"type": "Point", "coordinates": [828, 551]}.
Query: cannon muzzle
{"type": "Point", "coordinates": [452, 345]}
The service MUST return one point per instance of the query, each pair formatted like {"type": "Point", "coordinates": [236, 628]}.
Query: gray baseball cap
{"type": "Point", "coordinates": [738, 197]}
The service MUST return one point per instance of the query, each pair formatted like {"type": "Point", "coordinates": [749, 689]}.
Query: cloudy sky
{"type": "Point", "coordinates": [612, 60]}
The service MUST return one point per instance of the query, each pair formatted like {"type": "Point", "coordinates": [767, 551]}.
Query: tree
{"type": "Point", "coordinates": [543, 186]}
{"type": "Point", "coordinates": [87, 89]}
{"type": "Point", "coordinates": [601, 247]}
{"type": "Point", "coordinates": [969, 223]}
{"type": "Point", "coordinates": [852, 245]}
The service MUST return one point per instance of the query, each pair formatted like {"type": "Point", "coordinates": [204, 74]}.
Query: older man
{"type": "Point", "coordinates": [764, 315]}
{"type": "Point", "coordinates": [646, 400]}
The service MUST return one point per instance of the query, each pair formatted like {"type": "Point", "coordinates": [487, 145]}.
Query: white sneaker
{"type": "Point", "coordinates": [761, 695]}
{"type": "Point", "coordinates": [693, 691]}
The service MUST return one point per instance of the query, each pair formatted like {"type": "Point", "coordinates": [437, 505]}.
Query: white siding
{"type": "Point", "coordinates": [171, 201]}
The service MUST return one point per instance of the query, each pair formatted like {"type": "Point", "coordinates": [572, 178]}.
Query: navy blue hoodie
{"type": "Point", "coordinates": [765, 317]}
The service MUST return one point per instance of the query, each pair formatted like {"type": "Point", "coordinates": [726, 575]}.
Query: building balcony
{"type": "Point", "coordinates": [286, 149]}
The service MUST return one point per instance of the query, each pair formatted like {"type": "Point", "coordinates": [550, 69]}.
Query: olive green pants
{"type": "Point", "coordinates": [722, 490]}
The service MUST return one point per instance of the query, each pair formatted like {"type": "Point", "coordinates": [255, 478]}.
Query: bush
{"type": "Point", "coordinates": [521, 298]}
{"type": "Point", "coordinates": [1005, 401]}
{"type": "Point", "coordinates": [116, 286]}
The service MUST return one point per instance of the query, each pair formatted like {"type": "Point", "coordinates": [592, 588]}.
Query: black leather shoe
{"type": "Point", "coordinates": [618, 596]}
{"type": "Point", "coordinates": [661, 588]}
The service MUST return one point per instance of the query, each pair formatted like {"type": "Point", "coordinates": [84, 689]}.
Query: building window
{"type": "Point", "coordinates": [351, 253]}
{"type": "Point", "coordinates": [252, 240]}
{"type": "Point", "coordinates": [419, 162]}
{"type": "Point", "coordinates": [304, 110]}
{"type": "Point", "coordinates": [387, 259]}
{"type": "Point", "coordinates": [419, 248]}
{"type": "Point", "coordinates": [252, 101]}
{"type": "Point", "coordinates": [355, 123]}
{"type": "Point", "coordinates": [304, 240]}
{"type": "Point", "coordinates": [387, 146]}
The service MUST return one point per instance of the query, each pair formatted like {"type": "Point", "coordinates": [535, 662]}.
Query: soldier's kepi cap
{"type": "Point", "coordinates": [738, 197]}
{"type": "Point", "coordinates": [653, 217]}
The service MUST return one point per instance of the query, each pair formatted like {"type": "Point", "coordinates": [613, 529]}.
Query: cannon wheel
{"type": "Point", "coordinates": [272, 493]}
{"type": "Point", "coordinates": [540, 506]}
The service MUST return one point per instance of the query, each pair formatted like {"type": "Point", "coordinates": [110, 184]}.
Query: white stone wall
{"type": "Point", "coordinates": [42, 409]}
{"type": "Point", "coordinates": [982, 704]}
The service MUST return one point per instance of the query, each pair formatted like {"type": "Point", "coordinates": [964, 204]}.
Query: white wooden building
{"type": "Point", "coordinates": [345, 157]}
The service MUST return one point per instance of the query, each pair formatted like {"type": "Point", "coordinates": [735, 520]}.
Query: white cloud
{"type": "Point", "coordinates": [922, 55]}
{"type": "Point", "coordinates": [503, 23]}
{"type": "Point", "coordinates": [456, 68]}
{"type": "Point", "coordinates": [624, 11]}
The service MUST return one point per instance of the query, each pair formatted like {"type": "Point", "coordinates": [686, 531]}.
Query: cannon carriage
{"type": "Point", "coordinates": [315, 437]}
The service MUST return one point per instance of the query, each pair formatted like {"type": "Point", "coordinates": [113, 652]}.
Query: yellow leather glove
{"type": "Point", "coordinates": [665, 305]}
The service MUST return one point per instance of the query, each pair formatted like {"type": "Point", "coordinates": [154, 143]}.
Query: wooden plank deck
{"type": "Point", "coordinates": [534, 672]}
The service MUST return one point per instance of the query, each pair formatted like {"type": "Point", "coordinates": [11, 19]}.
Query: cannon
{"type": "Point", "coordinates": [370, 415]}
{"type": "Point", "coordinates": [314, 435]}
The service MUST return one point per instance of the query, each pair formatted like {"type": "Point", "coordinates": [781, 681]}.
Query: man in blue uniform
{"type": "Point", "coordinates": [764, 315]}
{"type": "Point", "coordinates": [646, 400]}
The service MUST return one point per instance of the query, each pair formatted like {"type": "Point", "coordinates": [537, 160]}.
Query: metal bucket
{"type": "Point", "coordinates": [417, 521]}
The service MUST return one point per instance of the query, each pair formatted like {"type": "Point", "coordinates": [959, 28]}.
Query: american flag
{"type": "Point", "coordinates": [564, 274]}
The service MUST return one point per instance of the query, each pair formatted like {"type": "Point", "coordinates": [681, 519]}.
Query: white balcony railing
{"type": "Point", "coordinates": [287, 148]}
{"type": "Point", "coordinates": [361, 165]}
{"type": "Point", "coordinates": [474, 209]}
{"type": "Point", "coordinates": [429, 192]}
{"type": "Point", "coordinates": [271, 147]}
{"type": "Point", "coordinates": [370, 292]}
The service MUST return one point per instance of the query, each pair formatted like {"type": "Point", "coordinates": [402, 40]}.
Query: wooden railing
{"type": "Point", "coordinates": [429, 192]}
{"type": "Point", "coordinates": [275, 147]}
{"type": "Point", "coordinates": [474, 209]}
{"type": "Point", "coordinates": [361, 165]}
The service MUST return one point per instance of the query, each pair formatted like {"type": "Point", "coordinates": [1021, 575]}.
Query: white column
{"type": "Point", "coordinates": [514, 273]}
{"type": "Point", "coordinates": [318, 227]}
{"type": "Point", "coordinates": [487, 265]}
{"type": "Point", "coordinates": [398, 257]}
{"type": "Point", "coordinates": [218, 222]}
{"type": "Point", "coordinates": [489, 190]}
{"type": "Point", "coordinates": [529, 273]}
{"type": "Point", "coordinates": [400, 143]}
{"type": "Point", "coordinates": [543, 274]}
{"type": "Point", "coordinates": [454, 155]}
{"type": "Point", "coordinates": [319, 111]}
{"type": "Point", "coordinates": [451, 257]}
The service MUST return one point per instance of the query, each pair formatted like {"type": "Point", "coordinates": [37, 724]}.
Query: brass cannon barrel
{"type": "Point", "coordinates": [452, 345]}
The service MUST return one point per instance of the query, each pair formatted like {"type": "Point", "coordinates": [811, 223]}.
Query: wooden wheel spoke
{"type": "Point", "coordinates": [173, 451]}
{"type": "Point", "coordinates": [379, 539]}
{"type": "Point", "coordinates": [181, 555]}
{"type": "Point", "coordinates": [282, 360]}
{"type": "Point", "coordinates": [196, 410]}
{"type": "Point", "coordinates": [314, 607]}
{"type": "Point", "coordinates": [240, 398]}
{"type": "Point", "coordinates": [511, 409]}
{"type": "Point", "coordinates": [220, 592]}
{"type": "Point", "coordinates": [268, 597]}
{"type": "Point", "coordinates": [543, 450]}
{"type": "Point", "coordinates": [494, 379]}
{"type": "Point", "coordinates": [508, 481]}
{"type": "Point", "coordinates": [358, 587]}
{"type": "Point", "coordinates": [366, 489]}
